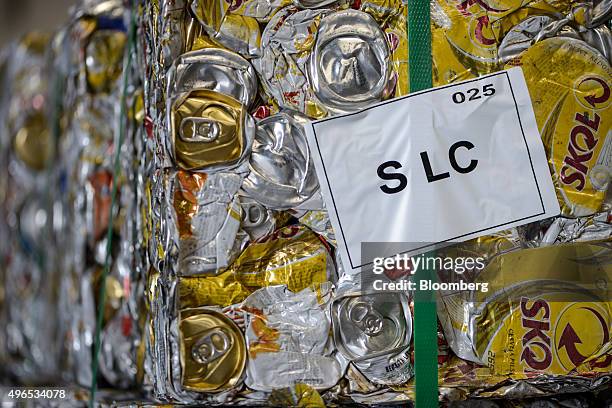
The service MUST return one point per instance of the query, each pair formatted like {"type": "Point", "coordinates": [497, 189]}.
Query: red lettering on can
{"type": "Point", "coordinates": [580, 150]}
{"type": "Point", "coordinates": [536, 341]}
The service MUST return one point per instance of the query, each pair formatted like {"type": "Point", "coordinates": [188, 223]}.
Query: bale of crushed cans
{"type": "Point", "coordinates": [218, 280]}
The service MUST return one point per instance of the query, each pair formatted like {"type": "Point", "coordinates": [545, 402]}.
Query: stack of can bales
{"type": "Point", "coordinates": [224, 284]}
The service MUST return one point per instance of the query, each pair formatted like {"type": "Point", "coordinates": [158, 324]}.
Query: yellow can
{"type": "Point", "coordinates": [212, 350]}
{"type": "Point", "coordinates": [569, 83]}
{"type": "Point", "coordinates": [103, 56]}
{"type": "Point", "coordinates": [475, 29]}
{"type": "Point", "coordinates": [292, 256]}
{"type": "Point", "coordinates": [547, 311]}
{"type": "Point", "coordinates": [32, 143]}
{"type": "Point", "coordinates": [209, 130]}
{"type": "Point", "coordinates": [227, 28]}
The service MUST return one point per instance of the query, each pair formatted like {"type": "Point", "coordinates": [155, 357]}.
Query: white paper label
{"type": "Point", "coordinates": [443, 165]}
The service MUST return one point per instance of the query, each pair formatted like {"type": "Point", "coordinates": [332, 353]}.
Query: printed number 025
{"type": "Point", "coordinates": [473, 94]}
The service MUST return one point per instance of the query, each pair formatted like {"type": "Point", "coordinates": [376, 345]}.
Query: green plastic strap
{"type": "Point", "coordinates": [127, 63]}
{"type": "Point", "coordinates": [425, 343]}
{"type": "Point", "coordinates": [419, 45]}
{"type": "Point", "coordinates": [425, 318]}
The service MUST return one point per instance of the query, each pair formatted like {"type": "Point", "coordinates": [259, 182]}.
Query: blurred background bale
{"type": "Point", "coordinates": [18, 17]}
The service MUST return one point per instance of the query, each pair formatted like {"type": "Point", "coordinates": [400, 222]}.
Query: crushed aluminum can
{"type": "Point", "coordinates": [237, 32]}
{"type": "Point", "coordinates": [300, 395]}
{"type": "Point", "coordinates": [592, 14]}
{"type": "Point", "coordinates": [282, 173]}
{"type": "Point", "coordinates": [570, 110]}
{"type": "Point", "coordinates": [121, 337]}
{"type": "Point", "coordinates": [539, 27]}
{"type": "Point", "coordinates": [222, 290]}
{"type": "Point", "coordinates": [29, 273]}
{"type": "Point", "coordinates": [601, 13]}
{"type": "Point", "coordinates": [487, 247]}
{"type": "Point", "coordinates": [592, 228]}
{"type": "Point", "coordinates": [98, 35]}
{"type": "Point", "coordinates": [214, 69]}
{"type": "Point", "coordinates": [392, 16]}
{"type": "Point", "coordinates": [373, 331]}
{"type": "Point", "coordinates": [277, 357]}
{"type": "Point", "coordinates": [103, 55]}
{"type": "Point", "coordinates": [32, 143]}
{"type": "Point", "coordinates": [459, 379]}
{"type": "Point", "coordinates": [257, 220]}
{"type": "Point", "coordinates": [297, 67]}
{"type": "Point", "coordinates": [521, 37]}
{"type": "Point", "coordinates": [474, 30]}
{"type": "Point", "coordinates": [99, 185]}
{"type": "Point", "coordinates": [470, 33]}
{"type": "Point", "coordinates": [212, 350]}
{"type": "Point", "coordinates": [27, 103]}
{"type": "Point", "coordinates": [318, 221]}
{"type": "Point", "coordinates": [447, 65]}
{"type": "Point", "coordinates": [601, 39]}
{"type": "Point", "coordinates": [349, 67]}
{"type": "Point", "coordinates": [209, 131]}
{"type": "Point", "coordinates": [286, 44]}
{"type": "Point", "coordinates": [208, 217]}
{"type": "Point", "coordinates": [292, 255]}
{"type": "Point", "coordinates": [530, 322]}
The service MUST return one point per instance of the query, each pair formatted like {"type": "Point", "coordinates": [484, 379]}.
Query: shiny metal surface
{"type": "Point", "coordinates": [370, 325]}
{"type": "Point", "coordinates": [34, 220]}
{"type": "Point", "coordinates": [601, 13]}
{"type": "Point", "coordinates": [601, 39]}
{"type": "Point", "coordinates": [226, 26]}
{"type": "Point", "coordinates": [216, 70]}
{"type": "Point", "coordinates": [313, 3]}
{"type": "Point", "coordinates": [349, 66]}
{"type": "Point", "coordinates": [257, 220]}
{"type": "Point", "coordinates": [212, 345]}
{"type": "Point", "coordinates": [476, 324]}
{"type": "Point", "coordinates": [208, 219]}
{"type": "Point", "coordinates": [278, 356]}
{"type": "Point", "coordinates": [538, 28]}
{"type": "Point", "coordinates": [591, 228]}
{"type": "Point", "coordinates": [32, 143]}
{"type": "Point", "coordinates": [213, 350]}
{"type": "Point", "coordinates": [103, 56]}
{"type": "Point", "coordinates": [110, 8]}
{"type": "Point", "coordinates": [204, 274]}
{"type": "Point", "coordinates": [555, 69]}
{"type": "Point", "coordinates": [282, 173]}
{"type": "Point", "coordinates": [286, 45]}
{"type": "Point", "coordinates": [209, 131]}
{"type": "Point", "coordinates": [521, 36]}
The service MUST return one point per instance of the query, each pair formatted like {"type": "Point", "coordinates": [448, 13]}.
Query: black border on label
{"type": "Point", "coordinates": [410, 96]}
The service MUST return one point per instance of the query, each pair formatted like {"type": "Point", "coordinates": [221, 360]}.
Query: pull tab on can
{"type": "Point", "coordinates": [213, 344]}
{"type": "Point", "coordinates": [373, 331]}
{"type": "Point", "coordinates": [212, 350]}
{"type": "Point", "coordinates": [254, 215]}
{"type": "Point", "coordinates": [195, 129]}
{"type": "Point", "coordinates": [366, 318]}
